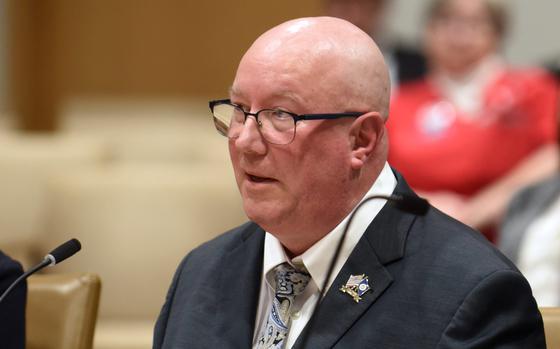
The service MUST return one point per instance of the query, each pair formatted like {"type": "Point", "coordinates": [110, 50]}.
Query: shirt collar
{"type": "Point", "coordinates": [316, 259]}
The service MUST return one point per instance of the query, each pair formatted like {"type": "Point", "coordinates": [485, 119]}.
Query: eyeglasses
{"type": "Point", "coordinates": [276, 126]}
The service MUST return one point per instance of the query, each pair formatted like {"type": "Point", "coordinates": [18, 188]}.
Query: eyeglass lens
{"type": "Point", "coordinates": [276, 126]}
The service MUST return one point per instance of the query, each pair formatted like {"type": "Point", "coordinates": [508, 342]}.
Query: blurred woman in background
{"type": "Point", "coordinates": [474, 130]}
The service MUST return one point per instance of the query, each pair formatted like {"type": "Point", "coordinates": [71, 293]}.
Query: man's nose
{"type": "Point", "coordinates": [250, 139]}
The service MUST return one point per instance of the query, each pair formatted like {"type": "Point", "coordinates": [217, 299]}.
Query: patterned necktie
{"type": "Point", "coordinates": [289, 283]}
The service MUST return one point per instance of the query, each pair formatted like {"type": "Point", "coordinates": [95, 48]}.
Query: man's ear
{"type": "Point", "coordinates": [365, 133]}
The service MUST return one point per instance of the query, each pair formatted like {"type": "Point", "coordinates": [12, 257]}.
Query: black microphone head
{"type": "Point", "coordinates": [411, 204]}
{"type": "Point", "coordinates": [67, 249]}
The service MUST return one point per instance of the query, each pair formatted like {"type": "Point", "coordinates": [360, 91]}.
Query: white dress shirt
{"type": "Point", "coordinates": [316, 260]}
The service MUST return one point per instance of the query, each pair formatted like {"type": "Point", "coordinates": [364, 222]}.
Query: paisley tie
{"type": "Point", "coordinates": [289, 283]}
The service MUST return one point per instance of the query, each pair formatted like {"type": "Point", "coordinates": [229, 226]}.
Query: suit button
{"type": "Point", "coordinates": [296, 315]}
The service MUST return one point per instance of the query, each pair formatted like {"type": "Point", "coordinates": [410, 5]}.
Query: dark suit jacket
{"type": "Point", "coordinates": [12, 308]}
{"type": "Point", "coordinates": [436, 284]}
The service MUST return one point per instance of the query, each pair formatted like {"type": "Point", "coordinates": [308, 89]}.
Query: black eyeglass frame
{"type": "Point", "coordinates": [296, 117]}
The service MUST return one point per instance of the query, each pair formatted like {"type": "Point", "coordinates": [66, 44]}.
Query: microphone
{"type": "Point", "coordinates": [62, 252]}
{"type": "Point", "coordinates": [403, 202]}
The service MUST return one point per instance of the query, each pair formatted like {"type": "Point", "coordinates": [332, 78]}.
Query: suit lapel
{"type": "Point", "coordinates": [383, 242]}
{"type": "Point", "coordinates": [239, 293]}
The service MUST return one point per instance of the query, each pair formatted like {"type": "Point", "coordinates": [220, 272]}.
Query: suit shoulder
{"type": "Point", "coordinates": [211, 251]}
{"type": "Point", "coordinates": [460, 247]}
{"type": "Point", "coordinates": [12, 315]}
{"type": "Point", "coordinates": [228, 239]}
{"type": "Point", "coordinates": [8, 266]}
{"type": "Point", "coordinates": [209, 258]}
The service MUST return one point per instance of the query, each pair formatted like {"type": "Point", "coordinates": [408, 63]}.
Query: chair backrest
{"type": "Point", "coordinates": [551, 318]}
{"type": "Point", "coordinates": [127, 213]}
{"type": "Point", "coordinates": [62, 310]}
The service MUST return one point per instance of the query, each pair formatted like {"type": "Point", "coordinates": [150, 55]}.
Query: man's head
{"type": "Point", "coordinates": [301, 190]}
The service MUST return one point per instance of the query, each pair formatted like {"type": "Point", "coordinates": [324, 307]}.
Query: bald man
{"type": "Point", "coordinates": [305, 121]}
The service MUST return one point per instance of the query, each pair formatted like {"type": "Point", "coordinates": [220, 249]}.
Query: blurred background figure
{"type": "Point", "coordinates": [12, 308]}
{"type": "Point", "coordinates": [405, 63]}
{"type": "Point", "coordinates": [475, 129]}
{"type": "Point", "coordinates": [530, 236]}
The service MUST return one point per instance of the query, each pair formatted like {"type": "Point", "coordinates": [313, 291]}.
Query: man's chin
{"type": "Point", "coordinates": [267, 215]}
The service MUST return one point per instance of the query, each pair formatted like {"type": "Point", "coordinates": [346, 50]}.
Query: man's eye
{"type": "Point", "coordinates": [280, 114]}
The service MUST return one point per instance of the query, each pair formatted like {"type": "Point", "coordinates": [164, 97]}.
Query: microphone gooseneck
{"type": "Point", "coordinates": [403, 202]}
{"type": "Point", "coordinates": [62, 252]}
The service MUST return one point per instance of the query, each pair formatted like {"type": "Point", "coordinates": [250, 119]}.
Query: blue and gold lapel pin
{"type": "Point", "coordinates": [356, 286]}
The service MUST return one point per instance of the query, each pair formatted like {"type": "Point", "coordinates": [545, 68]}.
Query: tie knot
{"type": "Point", "coordinates": [290, 282]}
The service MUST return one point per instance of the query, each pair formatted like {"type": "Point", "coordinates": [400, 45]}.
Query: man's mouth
{"type": "Point", "coordinates": [258, 179]}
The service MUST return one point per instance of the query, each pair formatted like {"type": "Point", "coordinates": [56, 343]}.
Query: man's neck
{"type": "Point", "coordinates": [322, 223]}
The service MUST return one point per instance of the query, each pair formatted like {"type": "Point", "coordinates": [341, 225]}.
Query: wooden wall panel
{"type": "Point", "coordinates": [132, 48]}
